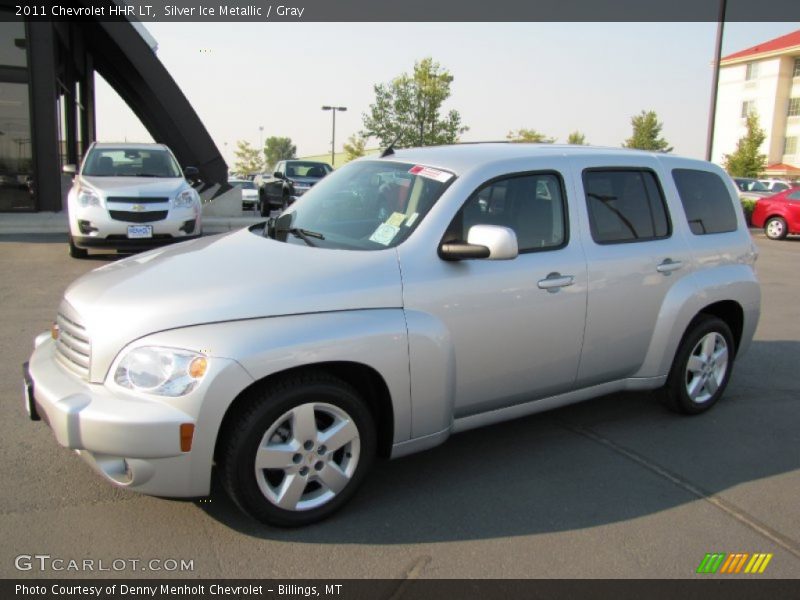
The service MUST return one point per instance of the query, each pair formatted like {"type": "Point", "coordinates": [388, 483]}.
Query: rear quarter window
{"type": "Point", "coordinates": [706, 201]}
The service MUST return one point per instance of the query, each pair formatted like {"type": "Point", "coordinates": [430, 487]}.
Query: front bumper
{"type": "Point", "coordinates": [132, 441]}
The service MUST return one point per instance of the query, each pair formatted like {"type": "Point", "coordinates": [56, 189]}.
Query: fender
{"type": "Point", "coordinates": [262, 347]}
{"type": "Point", "coordinates": [687, 298]}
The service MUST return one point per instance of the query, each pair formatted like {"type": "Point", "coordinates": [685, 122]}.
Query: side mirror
{"type": "Point", "coordinates": [483, 241]}
{"type": "Point", "coordinates": [191, 173]}
{"type": "Point", "coordinates": [69, 169]}
{"type": "Point", "coordinates": [501, 241]}
{"type": "Point", "coordinates": [277, 175]}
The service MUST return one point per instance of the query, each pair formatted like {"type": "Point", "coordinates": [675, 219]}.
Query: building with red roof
{"type": "Point", "coordinates": [764, 79]}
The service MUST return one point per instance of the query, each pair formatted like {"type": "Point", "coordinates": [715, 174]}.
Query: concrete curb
{"type": "Point", "coordinates": [44, 222]}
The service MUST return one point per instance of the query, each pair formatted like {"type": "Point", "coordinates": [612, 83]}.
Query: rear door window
{"type": "Point", "coordinates": [625, 205]}
{"type": "Point", "coordinates": [706, 201]}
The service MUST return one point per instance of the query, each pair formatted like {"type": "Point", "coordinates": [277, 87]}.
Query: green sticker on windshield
{"type": "Point", "coordinates": [384, 234]}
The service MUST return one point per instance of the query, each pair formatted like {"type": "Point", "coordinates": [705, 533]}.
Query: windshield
{"type": "Point", "coordinates": [128, 162]}
{"type": "Point", "coordinates": [367, 205]}
{"type": "Point", "coordinates": [751, 185]}
{"type": "Point", "coordinates": [245, 185]}
{"type": "Point", "coordinates": [306, 169]}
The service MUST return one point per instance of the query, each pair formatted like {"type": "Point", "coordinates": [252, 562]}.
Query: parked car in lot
{"type": "Point", "coordinates": [751, 188]}
{"type": "Point", "coordinates": [409, 297]}
{"type": "Point", "coordinates": [249, 193]}
{"type": "Point", "coordinates": [779, 215]}
{"type": "Point", "coordinates": [290, 180]}
{"type": "Point", "coordinates": [775, 185]}
{"type": "Point", "coordinates": [130, 197]}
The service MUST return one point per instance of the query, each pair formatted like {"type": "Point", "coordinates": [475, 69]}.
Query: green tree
{"type": "Point", "coordinates": [354, 147]}
{"type": "Point", "coordinates": [408, 109]}
{"type": "Point", "coordinates": [746, 160]}
{"type": "Point", "coordinates": [248, 159]}
{"type": "Point", "coordinates": [647, 133]}
{"type": "Point", "coordinates": [577, 138]}
{"type": "Point", "coordinates": [529, 136]}
{"type": "Point", "coordinates": [277, 149]}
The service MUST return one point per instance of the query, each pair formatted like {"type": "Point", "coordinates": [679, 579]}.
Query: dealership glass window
{"type": "Point", "coordinates": [16, 178]}
{"type": "Point", "coordinates": [794, 107]}
{"type": "Point", "coordinates": [625, 206]}
{"type": "Point", "coordinates": [706, 201]}
{"type": "Point", "coordinates": [790, 145]}
{"type": "Point", "coordinates": [796, 72]}
{"type": "Point", "coordinates": [12, 41]}
{"type": "Point", "coordinates": [752, 71]}
{"type": "Point", "coordinates": [748, 106]}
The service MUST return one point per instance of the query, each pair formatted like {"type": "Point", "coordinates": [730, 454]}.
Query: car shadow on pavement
{"type": "Point", "coordinates": [612, 459]}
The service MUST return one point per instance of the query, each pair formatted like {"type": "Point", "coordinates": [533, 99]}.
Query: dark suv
{"type": "Point", "coordinates": [290, 180]}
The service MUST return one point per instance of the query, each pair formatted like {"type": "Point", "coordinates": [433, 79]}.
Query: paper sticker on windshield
{"type": "Point", "coordinates": [412, 219]}
{"type": "Point", "coordinates": [430, 173]}
{"type": "Point", "coordinates": [384, 234]}
{"type": "Point", "coordinates": [396, 219]}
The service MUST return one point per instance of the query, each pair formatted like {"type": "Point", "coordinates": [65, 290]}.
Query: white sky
{"type": "Point", "coordinates": [552, 77]}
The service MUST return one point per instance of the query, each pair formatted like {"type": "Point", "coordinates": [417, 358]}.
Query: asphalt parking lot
{"type": "Point", "coordinates": [615, 487]}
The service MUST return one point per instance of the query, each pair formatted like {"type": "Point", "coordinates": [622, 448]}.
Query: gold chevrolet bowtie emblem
{"type": "Point", "coordinates": [137, 207]}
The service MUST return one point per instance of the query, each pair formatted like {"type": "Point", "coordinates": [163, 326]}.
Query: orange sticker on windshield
{"type": "Point", "coordinates": [430, 173]}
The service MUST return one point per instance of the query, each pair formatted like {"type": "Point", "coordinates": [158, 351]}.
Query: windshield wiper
{"type": "Point", "coordinates": [305, 235]}
{"type": "Point", "coordinates": [146, 175]}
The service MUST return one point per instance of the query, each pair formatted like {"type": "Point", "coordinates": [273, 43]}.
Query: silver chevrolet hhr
{"type": "Point", "coordinates": [404, 298]}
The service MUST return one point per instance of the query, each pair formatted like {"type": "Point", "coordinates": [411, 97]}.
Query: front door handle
{"type": "Point", "coordinates": [668, 265]}
{"type": "Point", "coordinates": [555, 281]}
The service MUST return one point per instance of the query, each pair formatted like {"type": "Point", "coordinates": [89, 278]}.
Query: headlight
{"type": "Point", "coordinates": [162, 371]}
{"type": "Point", "coordinates": [87, 197]}
{"type": "Point", "coordinates": [185, 198]}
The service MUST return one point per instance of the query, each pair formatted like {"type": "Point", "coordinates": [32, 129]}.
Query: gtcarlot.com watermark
{"type": "Point", "coordinates": [47, 562]}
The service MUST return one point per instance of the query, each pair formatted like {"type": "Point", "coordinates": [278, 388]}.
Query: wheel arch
{"type": "Point", "coordinates": [729, 311]}
{"type": "Point", "coordinates": [369, 384]}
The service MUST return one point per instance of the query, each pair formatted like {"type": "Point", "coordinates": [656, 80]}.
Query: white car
{"type": "Point", "coordinates": [249, 192]}
{"type": "Point", "coordinates": [130, 197]}
{"type": "Point", "coordinates": [775, 185]}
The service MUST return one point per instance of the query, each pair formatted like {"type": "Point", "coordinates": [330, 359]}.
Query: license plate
{"type": "Point", "coordinates": [140, 231]}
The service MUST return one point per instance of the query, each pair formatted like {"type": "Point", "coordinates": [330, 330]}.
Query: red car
{"type": "Point", "coordinates": [779, 215]}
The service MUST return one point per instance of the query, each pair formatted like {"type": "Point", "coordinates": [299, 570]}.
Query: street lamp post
{"type": "Point", "coordinates": [260, 137]}
{"type": "Point", "coordinates": [333, 110]}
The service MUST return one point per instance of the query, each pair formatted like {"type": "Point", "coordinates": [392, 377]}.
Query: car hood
{"type": "Point", "coordinates": [239, 275]}
{"type": "Point", "coordinates": [136, 187]}
{"type": "Point", "coordinates": [306, 180]}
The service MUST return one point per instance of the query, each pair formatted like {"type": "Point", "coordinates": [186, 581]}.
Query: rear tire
{"type": "Point", "coordinates": [76, 252]}
{"type": "Point", "coordinates": [313, 440]}
{"type": "Point", "coordinates": [775, 228]}
{"type": "Point", "coordinates": [702, 367]}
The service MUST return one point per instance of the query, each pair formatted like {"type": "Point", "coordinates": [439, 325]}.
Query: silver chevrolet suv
{"type": "Point", "coordinates": [409, 297]}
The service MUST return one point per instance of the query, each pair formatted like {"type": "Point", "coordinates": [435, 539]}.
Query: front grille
{"type": "Point", "coordinates": [73, 347]}
{"type": "Point", "coordinates": [136, 200]}
{"type": "Point", "coordinates": [138, 217]}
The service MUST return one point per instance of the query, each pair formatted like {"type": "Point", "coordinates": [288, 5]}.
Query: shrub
{"type": "Point", "coordinates": [748, 205]}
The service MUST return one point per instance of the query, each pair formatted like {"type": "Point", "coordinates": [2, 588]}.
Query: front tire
{"type": "Point", "coordinates": [297, 450]}
{"type": "Point", "coordinates": [702, 367]}
{"type": "Point", "coordinates": [775, 228]}
{"type": "Point", "coordinates": [263, 205]}
{"type": "Point", "coordinates": [76, 252]}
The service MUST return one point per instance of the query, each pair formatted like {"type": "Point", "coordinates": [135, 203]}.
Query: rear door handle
{"type": "Point", "coordinates": [668, 266]}
{"type": "Point", "coordinates": [555, 281]}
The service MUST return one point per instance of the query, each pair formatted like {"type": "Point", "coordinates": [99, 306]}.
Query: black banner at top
{"type": "Point", "coordinates": [150, 11]}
